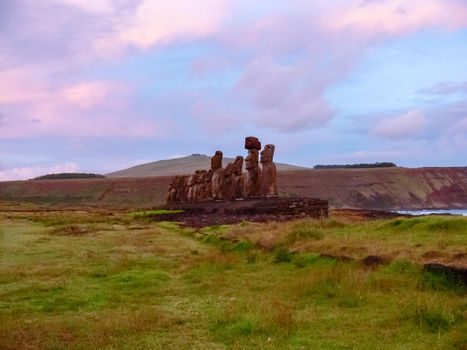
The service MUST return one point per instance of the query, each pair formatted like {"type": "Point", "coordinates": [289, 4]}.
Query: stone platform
{"type": "Point", "coordinates": [257, 210]}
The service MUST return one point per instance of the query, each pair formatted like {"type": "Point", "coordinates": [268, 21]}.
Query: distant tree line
{"type": "Point", "coordinates": [357, 166]}
{"type": "Point", "coordinates": [67, 176]}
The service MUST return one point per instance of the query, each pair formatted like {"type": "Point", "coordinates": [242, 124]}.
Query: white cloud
{"type": "Point", "coordinates": [32, 172]}
{"type": "Point", "coordinates": [401, 126]}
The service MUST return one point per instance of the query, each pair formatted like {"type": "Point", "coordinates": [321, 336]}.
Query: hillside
{"type": "Point", "coordinates": [180, 166]}
{"type": "Point", "coordinates": [385, 188]}
{"type": "Point", "coordinates": [381, 188]}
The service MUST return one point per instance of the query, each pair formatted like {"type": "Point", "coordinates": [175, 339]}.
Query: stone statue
{"type": "Point", "coordinates": [177, 190]}
{"type": "Point", "coordinates": [229, 183]}
{"type": "Point", "coordinates": [201, 186]}
{"type": "Point", "coordinates": [191, 187]}
{"type": "Point", "coordinates": [208, 184]}
{"type": "Point", "coordinates": [252, 142]}
{"type": "Point", "coordinates": [239, 179]}
{"type": "Point", "coordinates": [173, 189]}
{"type": "Point", "coordinates": [233, 180]}
{"type": "Point", "coordinates": [217, 176]}
{"type": "Point", "coordinates": [183, 189]}
{"type": "Point", "coordinates": [253, 184]}
{"type": "Point", "coordinates": [268, 177]}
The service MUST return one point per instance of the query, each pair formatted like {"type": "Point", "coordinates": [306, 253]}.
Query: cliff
{"type": "Point", "coordinates": [381, 188]}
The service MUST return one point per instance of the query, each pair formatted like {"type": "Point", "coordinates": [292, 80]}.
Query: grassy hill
{"type": "Point", "coordinates": [181, 166]}
{"type": "Point", "coordinates": [385, 188]}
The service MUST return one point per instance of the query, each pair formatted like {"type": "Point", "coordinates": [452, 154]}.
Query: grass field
{"type": "Point", "coordinates": [115, 280]}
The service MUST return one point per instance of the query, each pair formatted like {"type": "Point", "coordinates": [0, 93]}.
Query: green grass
{"type": "Point", "coordinates": [149, 213]}
{"type": "Point", "coordinates": [405, 238]}
{"type": "Point", "coordinates": [80, 280]}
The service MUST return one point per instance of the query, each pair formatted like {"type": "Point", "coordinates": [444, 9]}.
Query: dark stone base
{"type": "Point", "coordinates": [258, 210]}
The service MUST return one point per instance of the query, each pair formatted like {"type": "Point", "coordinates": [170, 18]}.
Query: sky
{"type": "Point", "coordinates": [101, 85]}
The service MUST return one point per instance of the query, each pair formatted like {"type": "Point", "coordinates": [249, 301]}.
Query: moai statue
{"type": "Point", "coordinates": [182, 190]}
{"type": "Point", "coordinates": [253, 184]}
{"type": "Point", "coordinates": [217, 176]}
{"type": "Point", "coordinates": [183, 195]}
{"type": "Point", "coordinates": [268, 177]}
{"type": "Point", "coordinates": [173, 189]}
{"type": "Point", "coordinates": [191, 187]}
{"type": "Point", "coordinates": [252, 142]}
{"type": "Point", "coordinates": [233, 180]}
{"type": "Point", "coordinates": [196, 186]}
{"type": "Point", "coordinates": [239, 179]}
{"type": "Point", "coordinates": [201, 186]}
{"type": "Point", "coordinates": [208, 184]}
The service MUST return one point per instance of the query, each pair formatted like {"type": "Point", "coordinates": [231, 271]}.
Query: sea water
{"type": "Point", "coordinates": [462, 212]}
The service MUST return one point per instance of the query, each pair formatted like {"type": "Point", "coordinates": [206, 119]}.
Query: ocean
{"type": "Point", "coordinates": [462, 212]}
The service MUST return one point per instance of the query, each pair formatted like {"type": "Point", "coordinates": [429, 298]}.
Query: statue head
{"type": "Point", "coordinates": [235, 167]}
{"type": "Point", "coordinates": [208, 176]}
{"type": "Point", "coordinates": [191, 179]}
{"type": "Point", "coordinates": [216, 160]}
{"type": "Point", "coordinates": [202, 175]}
{"type": "Point", "coordinates": [174, 182]}
{"type": "Point", "coordinates": [251, 161]}
{"type": "Point", "coordinates": [252, 142]}
{"type": "Point", "coordinates": [267, 153]}
{"type": "Point", "coordinates": [238, 165]}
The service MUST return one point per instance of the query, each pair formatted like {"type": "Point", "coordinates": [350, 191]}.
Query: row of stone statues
{"type": "Point", "coordinates": [229, 183]}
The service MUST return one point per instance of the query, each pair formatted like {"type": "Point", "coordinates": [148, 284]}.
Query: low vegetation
{"type": "Point", "coordinates": [110, 280]}
{"type": "Point", "coordinates": [67, 176]}
{"type": "Point", "coordinates": [150, 213]}
{"type": "Point", "coordinates": [357, 166]}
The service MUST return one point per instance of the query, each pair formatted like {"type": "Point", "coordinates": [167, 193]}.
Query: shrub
{"type": "Point", "coordinates": [435, 319]}
{"type": "Point", "coordinates": [441, 281]}
{"type": "Point", "coordinates": [243, 246]}
{"type": "Point", "coordinates": [451, 225]}
{"type": "Point", "coordinates": [282, 255]}
{"type": "Point", "coordinates": [305, 230]}
{"type": "Point", "coordinates": [251, 258]}
{"type": "Point", "coordinates": [305, 259]}
{"type": "Point", "coordinates": [299, 261]}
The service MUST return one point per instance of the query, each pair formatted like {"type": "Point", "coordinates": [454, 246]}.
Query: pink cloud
{"type": "Point", "coordinates": [204, 66]}
{"type": "Point", "coordinates": [32, 108]}
{"type": "Point", "coordinates": [453, 138]}
{"type": "Point", "coordinates": [405, 125]}
{"type": "Point", "coordinates": [26, 173]}
{"type": "Point", "coordinates": [285, 97]}
{"type": "Point", "coordinates": [275, 90]}
{"type": "Point", "coordinates": [395, 17]}
{"type": "Point", "coordinates": [93, 93]}
{"type": "Point", "coordinates": [158, 21]}
{"type": "Point", "coordinates": [16, 86]}
{"type": "Point", "coordinates": [94, 6]}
